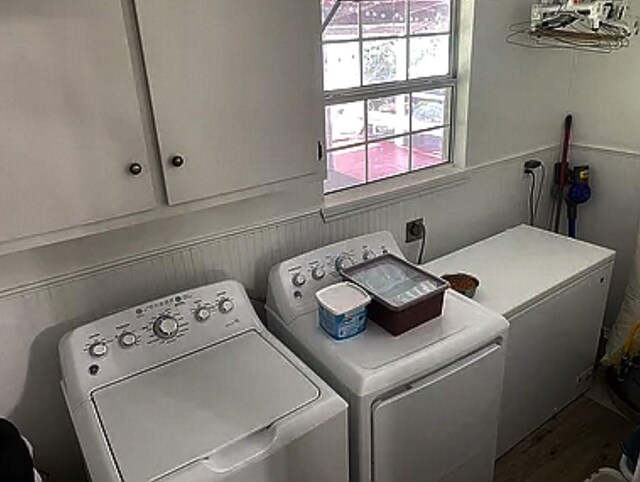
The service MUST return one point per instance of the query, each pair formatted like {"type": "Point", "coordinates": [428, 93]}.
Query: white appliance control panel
{"type": "Point", "coordinates": [294, 282]}
{"type": "Point", "coordinates": [152, 333]}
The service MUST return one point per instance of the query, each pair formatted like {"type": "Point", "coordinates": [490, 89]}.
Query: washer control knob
{"type": "Point", "coordinates": [99, 349]}
{"type": "Point", "coordinates": [203, 314]}
{"type": "Point", "coordinates": [317, 273]}
{"type": "Point", "coordinates": [165, 327]}
{"type": "Point", "coordinates": [368, 254]}
{"type": "Point", "coordinates": [225, 305]}
{"type": "Point", "coordinates": [299, 279]}
{"type": "Point", "coordinates": [127, 339]}
{"type": "Point", "coordinates": [343, 261]}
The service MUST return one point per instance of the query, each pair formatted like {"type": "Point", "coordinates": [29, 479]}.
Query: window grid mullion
{"type": "Point", "coordinates": [388, 89]}
{"type": "Point", "coordinates": [364, 100]}
{"type": "Point", "coordinates": [410, 94]}
{"type": "Point", "coordinates": [389, 37]}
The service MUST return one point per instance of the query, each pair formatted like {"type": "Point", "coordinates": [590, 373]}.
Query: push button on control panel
{"type": "Point", "coordinates": [98, 350]}
{"type": "Point", "coordinates": [127, 339]}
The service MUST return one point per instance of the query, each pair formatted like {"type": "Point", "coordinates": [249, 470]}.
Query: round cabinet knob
{"type": "Point", "coordinates": [368, 254]}
{"type": "Point", "coordinates": [178, 160]}
{"type": "Point", "coordinates": [127, 339]}
{"type": "Point", "coordinates": [343, 262]}
{"type": "Point", "coordinates": [98, 349]}
{"type": "Point", "coordinates": [135, 168]}
{"type": "Point", "coordinates": [299, 279]}
{"type": "Point", "coordinates": [225, 305]}
{"type": "Point", "coordinates": [165, 327]}
{"type": "Point", "coordinates": [318, 273]}
{"type": "Point", "coordinates": [203, 314]}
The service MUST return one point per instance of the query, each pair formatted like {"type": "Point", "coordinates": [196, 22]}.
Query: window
{"type": "Point", "coordinates": [389, 81]}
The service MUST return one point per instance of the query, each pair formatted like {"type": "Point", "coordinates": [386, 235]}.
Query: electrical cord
{"type": "Point", "coordinates": [423, 242]}
{"type": "Point", "coordinates": [535, 196]}
{"type": "Point", "coordinates": [532, 206]}
{"type": "Point", "coordinates": [540, 189]}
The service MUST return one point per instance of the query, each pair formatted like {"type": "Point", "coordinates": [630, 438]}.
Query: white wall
{"type": "Point", "coordinates": [518, 96]}
{"type": "Point", "coordinates": [605, 101]}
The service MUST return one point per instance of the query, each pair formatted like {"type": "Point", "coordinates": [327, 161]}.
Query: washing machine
{"type": "Point", "coordinates": [423, 406]}
{"type": "Point", "coordinates": [191, 388]}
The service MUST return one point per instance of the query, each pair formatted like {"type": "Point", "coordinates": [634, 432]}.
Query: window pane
{"type": "Point", "coordinates": [429, 148]}
{"type": "Point", "coordinates": [384, 61]}
{"type": "Point", "coordinates": [344, 24]}
{"type": "Point", "coordinates": [341, 65]}
{"type": "Point", "coordinates": [388, 116]}
{"type": "Point", "coordinates": [429, 16]}
{"type": "Point", "coordinates": [388, 158]}
{"type": "Point", "coordinates": [429, 109]}
{"type": "Point", "coordinates": [344, 124]}
{"type": "Point", "coordinates": [326, 6]}
{"type": "Point", "coordinates": [384, 18]}
{"type": "Point", "coordinates": [429, 56]}
{"type": "Point", "coordinates": [345, 168]}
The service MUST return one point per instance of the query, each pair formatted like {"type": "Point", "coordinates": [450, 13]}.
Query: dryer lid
{"type": "Point", "coordinates": [180, 412]}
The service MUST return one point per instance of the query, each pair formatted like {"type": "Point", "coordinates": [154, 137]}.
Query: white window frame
{"type": "Point", "coordinates": [409, 86]}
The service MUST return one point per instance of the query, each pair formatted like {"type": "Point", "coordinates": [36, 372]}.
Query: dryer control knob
{"type": "Point", "coordinates": [98, 349]}
{"type": "Point", "coordinates": [165, 327]}
{"type": "Point", "coordinates": [225, 305]}
{"type": "Point", "coordinates": [203, 314]}
{"type": "Point", "coordinates": [343, 261]}
{"type": "Point", "coordinates": [299, 279]}
{"type": "Point", "coordinates": [317, 273]}
{"type": "Point", "coordinates": [368, 254]}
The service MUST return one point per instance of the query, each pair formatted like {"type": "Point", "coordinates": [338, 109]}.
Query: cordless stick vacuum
{"type": "Point", "coordinates": [571, 185]}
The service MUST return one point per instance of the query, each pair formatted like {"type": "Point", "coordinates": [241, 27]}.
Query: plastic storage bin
{"type": "Point", "coordinates": [404, 296]}
{"type": "Point", "coordinates": [342, 310]}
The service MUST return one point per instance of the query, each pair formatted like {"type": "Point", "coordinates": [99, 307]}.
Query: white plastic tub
{"type": "Point", "coordinates": [342, 310]}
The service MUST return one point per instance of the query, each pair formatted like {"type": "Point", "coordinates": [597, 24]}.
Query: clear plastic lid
{"type": "Point", "coordinates": [394, 281]}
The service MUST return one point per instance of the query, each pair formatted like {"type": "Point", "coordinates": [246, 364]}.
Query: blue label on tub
{"type": "Point", "coordinates": [343, 326]}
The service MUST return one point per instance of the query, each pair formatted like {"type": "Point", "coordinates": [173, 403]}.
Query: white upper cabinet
{"type": "Point", "coordinates": [70, 122]}
{"type": "Point", "coordinates": [236, 90]}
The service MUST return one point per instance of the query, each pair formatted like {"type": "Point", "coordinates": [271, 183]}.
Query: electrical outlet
{"type": "Point", "coordinates": [415, 230]}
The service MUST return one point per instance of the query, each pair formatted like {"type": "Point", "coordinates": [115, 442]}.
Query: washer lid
{"type": "Point", "coordinates": [182, 411]}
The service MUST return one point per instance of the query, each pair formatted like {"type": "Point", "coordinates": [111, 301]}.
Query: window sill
{"type": "Point", "coordinates": [352, 201]}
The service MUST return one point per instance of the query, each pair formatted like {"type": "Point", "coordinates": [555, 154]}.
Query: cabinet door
{"type": "Point", "coordinates": [236, 88]}
{"type": "Point", "coordinates": [70, 122]}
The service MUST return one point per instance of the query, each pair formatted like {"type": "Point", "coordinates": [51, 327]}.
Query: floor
{"type": "Point", "coordinates": [569, 448]}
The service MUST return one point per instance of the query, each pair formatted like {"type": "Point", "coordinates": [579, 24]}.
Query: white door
{"type": "Point", "coordinates": [236, 88]}
{"type": "Point", "coordinates": [70, 122]}
{"type": "Point", "coordinates": [442, 428]}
